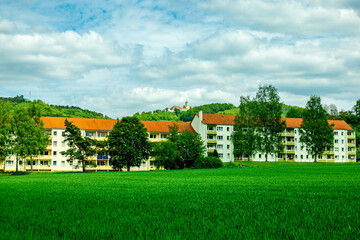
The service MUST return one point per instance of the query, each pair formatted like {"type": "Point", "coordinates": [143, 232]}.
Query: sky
{"type": "Point", "coordinates": [122, 57]}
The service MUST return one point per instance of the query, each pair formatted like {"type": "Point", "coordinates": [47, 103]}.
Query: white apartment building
{"type": "Point", "coordinates": [216, 130]}
{"type": "Point", "coordinates": [53, 160]}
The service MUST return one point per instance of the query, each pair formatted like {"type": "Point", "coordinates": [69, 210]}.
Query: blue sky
{"type": "Point", "coordinates": [121, 57]}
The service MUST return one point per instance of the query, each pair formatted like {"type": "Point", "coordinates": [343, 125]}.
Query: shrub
{"type": "Point", "coordinates": [209, 162]}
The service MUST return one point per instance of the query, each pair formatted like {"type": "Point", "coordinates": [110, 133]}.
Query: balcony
{"type": "Point", "coordinates": [351, 145]}
{"type": "Point", "coordinates": [211, 141]}
{"type": "Point", "coordinates": [288, 134]}
{"type": "Point", "coordinates": [289, 152]}
{"type": "Point", "coordinates": [212, 132]}
{"type": "Point", "coordinates": [38, 168]}
{"type": "Point", "coordinates": [210, 150]}
{"type": "Point", "coordinates": [329, 153]}
{"type": "Point", "coordinates": [289, 143]}
{"type": "Point", "coordinates": [41, 157]}
{"type": "Point", "coordinates": [351, 153]}
{"type": "Point", "coordinates": [351, 137]}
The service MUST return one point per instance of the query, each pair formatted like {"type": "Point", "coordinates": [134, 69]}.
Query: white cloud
{"type": "Point", "coordinates": [57, 56]}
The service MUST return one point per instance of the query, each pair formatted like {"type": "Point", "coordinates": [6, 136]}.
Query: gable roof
{"type": "Point", "coordinates": [107, 124]}
{"type": "Point", "coordinates": [220, 119]}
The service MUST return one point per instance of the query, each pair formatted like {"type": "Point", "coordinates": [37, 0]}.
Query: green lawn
{"type": "Point", "coordinates": [292, 202]}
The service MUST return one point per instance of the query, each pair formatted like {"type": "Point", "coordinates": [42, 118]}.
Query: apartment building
{"type": "Point", "coordinates": [53, 160]}
{"type": "Point", "coordinates": [216, 130]}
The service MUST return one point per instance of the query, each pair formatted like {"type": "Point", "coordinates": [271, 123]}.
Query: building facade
{"type": "Point", "coordinates": [216, 130]}
{"type": "Point", "coordinates": [98, 129]}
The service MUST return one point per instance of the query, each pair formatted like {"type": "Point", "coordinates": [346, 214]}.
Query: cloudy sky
{"type": "Point", "coordinates": [121, 57]}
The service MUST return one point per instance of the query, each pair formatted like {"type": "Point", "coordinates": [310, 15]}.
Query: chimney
{"type": "Point", "coordinates": [201, 115]}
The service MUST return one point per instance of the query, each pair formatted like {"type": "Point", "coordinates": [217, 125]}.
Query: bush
{"type": "Point", "coordinates": [209, 162]}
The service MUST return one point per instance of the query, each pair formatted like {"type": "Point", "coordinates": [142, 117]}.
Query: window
{"type": "Point", "coordinates": [221, 155]}
{"type": "Point", "coordinates": [228, 146]}
{"type": "Point", "coordinates": [101, 134]}
{"type": "Point", "coordinates": [228, 129]}
{"type": "Point", "coordinates": [295, 131]}
{"type": "Point", "coordinates": [342, 133]}
{"type": "Point", "coordinates": [228, 155]}
{"type": "Point", "coordinates": [29, 163]}
{"type": "Point", "coordinates": [336, 156]}
{"type": "Point", "coordinates": [220, 146]}
{"type": "Point", "coordinates": [44, 162]}
{"type": "Point", "coordinates": [71, 163]}
{"type": "Point", "coordinates": [336, 141]}
{"type": "Point", "coordinates": [211, 146]}
{"type": "Point", "coordinates": [163, 136]}
{"type": "Point", "coordinates": [228, 138]}
{"type": "Point", "coordinates": [342, 149]}
{"type": "Point", "coordinates": [335, 133]}
{"type": "Point", "coordinates": [210, 137]}
{"type": "Point", "coordinates": [54, 163]}
{"type": "Point", "coordinates": [144, 164]}
{"type": "Point", "coordinates": [259, 155]}
{"type": "Point", "coordinates": [9, 163]}
{"type": "Point", "coordinates": [219, 129]}
{"type": "Point", "coordinates": [54, 143]}
{"type": "Point", "coordinates": [63, 163]}
{"type": "Point", "coordinates": [63, 133]}
{"type": "Point", "coordinates": [301, 156]}
{"type": "Point", "coordinates": [210, 128]}
{"type": "Point", "coordinates": [55, 133]}
{"type": "Point", "coordinates": [89, 134]}
{"type": "Point", "coordinates": [343, 156]}
{"type": "Point", "coordinates": [336, 149]}
{"type": "Point", "coordinates": [63, 143]}
{"type": "Point", "coordinates": [342, 141]}
{"type": "Point", "coordinates": [220, 138]}
{"type": "Point", "coordinates": [54, 153]}
{"type": "Point", "coordinates": [302, 147]}
{"type": "Point", "coordinates": [152, 136]}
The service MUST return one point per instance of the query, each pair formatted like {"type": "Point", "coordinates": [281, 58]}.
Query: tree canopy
{"type": "Point", "coordinates": [316, 133]}
{"type": "Point", "coordinates": [128, 143]}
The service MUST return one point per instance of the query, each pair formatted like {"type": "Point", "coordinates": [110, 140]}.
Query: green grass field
{"type": "Point", "coordinates": [291, 202]}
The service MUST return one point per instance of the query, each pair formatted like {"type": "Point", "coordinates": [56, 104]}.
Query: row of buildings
{"type": "Point", "coordinates": [214, 129]}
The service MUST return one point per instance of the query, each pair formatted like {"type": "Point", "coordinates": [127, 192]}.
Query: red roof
{"type": "Point", "coordinates": [107, 124]}
{"type": "Point", "coordinates": [178, 107]}
{"type": "Point", "coordinates": [219, 119]}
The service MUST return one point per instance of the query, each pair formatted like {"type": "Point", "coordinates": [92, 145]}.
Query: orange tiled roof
{"type": "Point", "coordinates": [107, 124]}
{"type": "Point", "coordinates": [178, 107]}
{"type": "Point", "coordinates": [219, 119]}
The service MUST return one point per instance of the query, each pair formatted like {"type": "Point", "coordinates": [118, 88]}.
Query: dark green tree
{"type": "Point", "coordinates": [294, 113]}
{"type": "Point", "coordinates": [166, 155]}
{"type": "Point", "coordinates": [80, 148]}
{"type": "Point", "coordinates": [215, 153]}
{"type": "Point", "coordinates": [128, 143]}
{"type": "Point", "coordinates": [356, 109]}
{"type": "Point", "coordinates": [5, 131]}
{"type": "Point", "coordinates": [245, 137]}
{"type": "Point", "coordinates": [191, 148]}
{"type": "Point", "coordinates": [268, 119]}
{"type": "Point", "coordinates": [316, 133]}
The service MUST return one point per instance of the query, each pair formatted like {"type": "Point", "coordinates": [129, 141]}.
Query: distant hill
{"type": "Point", "coordinates": [55, 110]}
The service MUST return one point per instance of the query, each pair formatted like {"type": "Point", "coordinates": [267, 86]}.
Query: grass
{"type": "Point", "coordinates": [294, 202]}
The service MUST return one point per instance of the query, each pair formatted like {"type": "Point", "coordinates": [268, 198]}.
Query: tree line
{"type": "Point", "coordinates": [259, 124]}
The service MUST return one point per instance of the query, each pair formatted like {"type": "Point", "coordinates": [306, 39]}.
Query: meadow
{"type": "Point", "coordinates": [311, 201]}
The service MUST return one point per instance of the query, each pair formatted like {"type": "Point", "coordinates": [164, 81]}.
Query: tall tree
{"type": "Point", "coordinates": [356, 109]}
{"type": "Point", "coordinates": [191, 148]}
{"type": "Point", "coordinates": [166, 155]}
{"type": "Point", "coordinates": [20, 122]}
{"type": "Point", "coordinates": [36, 139]}
{"type": "Point", "coordinates": [80, 148]}
{"type": "Point", "coordinates": [316, 132]}
{"type": "Point", "coordinates": [128, 143]}
{"type": "Point", "coordinates": [245, 136]}
{"type": "Point", "coordinates": [5, 131]}
{"type": "Point", "coordinates": [268, 119]}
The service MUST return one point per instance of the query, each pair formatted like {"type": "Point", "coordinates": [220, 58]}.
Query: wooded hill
{"type": "Point", "coordinates": [54, 110]}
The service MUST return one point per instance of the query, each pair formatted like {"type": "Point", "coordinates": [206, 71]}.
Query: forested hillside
{"type": "Point", "coordinates": [54, 110]}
